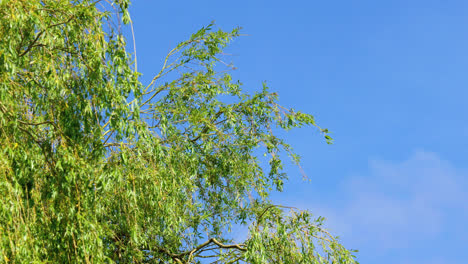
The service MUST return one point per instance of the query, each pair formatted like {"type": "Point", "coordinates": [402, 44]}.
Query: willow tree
{"type": "Point", "coordinates": [96, 166]}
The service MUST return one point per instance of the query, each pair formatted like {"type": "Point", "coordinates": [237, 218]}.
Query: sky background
{"type": "Point", "coordinates": [388, 78]}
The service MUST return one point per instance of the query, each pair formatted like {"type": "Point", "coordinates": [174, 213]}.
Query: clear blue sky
{"type": "Point", "coordinates": [388, 78]}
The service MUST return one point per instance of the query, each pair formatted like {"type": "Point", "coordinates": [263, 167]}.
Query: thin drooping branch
{"type": "Point", "coordinates": [268, 208]}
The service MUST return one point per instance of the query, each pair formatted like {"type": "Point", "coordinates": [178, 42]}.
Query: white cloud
{"type": "Point", "coordinates": [398, 204]}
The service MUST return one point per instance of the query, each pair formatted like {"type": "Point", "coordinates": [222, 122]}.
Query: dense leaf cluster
{"type": "Point", "coordinates": [97, 167]}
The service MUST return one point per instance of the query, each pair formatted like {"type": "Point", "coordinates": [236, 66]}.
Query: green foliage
{"type": "Point", "coordinates": [97, 167]}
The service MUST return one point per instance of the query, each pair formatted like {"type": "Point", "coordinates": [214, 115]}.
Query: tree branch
{"type": "Point", "coordinates": [178, 256]}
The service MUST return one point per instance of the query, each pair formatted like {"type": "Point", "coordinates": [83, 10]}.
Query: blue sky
{"type": "Point", "coordinates": [388, 78]}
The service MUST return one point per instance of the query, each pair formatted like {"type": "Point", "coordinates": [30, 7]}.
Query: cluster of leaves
{"type": "Point", "coordinates": [97, 167]}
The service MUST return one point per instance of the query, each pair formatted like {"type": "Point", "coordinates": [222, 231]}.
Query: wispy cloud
{"type": "Point", "coordinates": [400, 205]}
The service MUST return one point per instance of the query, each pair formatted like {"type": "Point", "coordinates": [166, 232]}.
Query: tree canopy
{"type": "Point", "coordinates": [98, 167]}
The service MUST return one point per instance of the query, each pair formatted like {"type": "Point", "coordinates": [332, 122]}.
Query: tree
{"type": "Point", "coordinates": [96, 166]}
